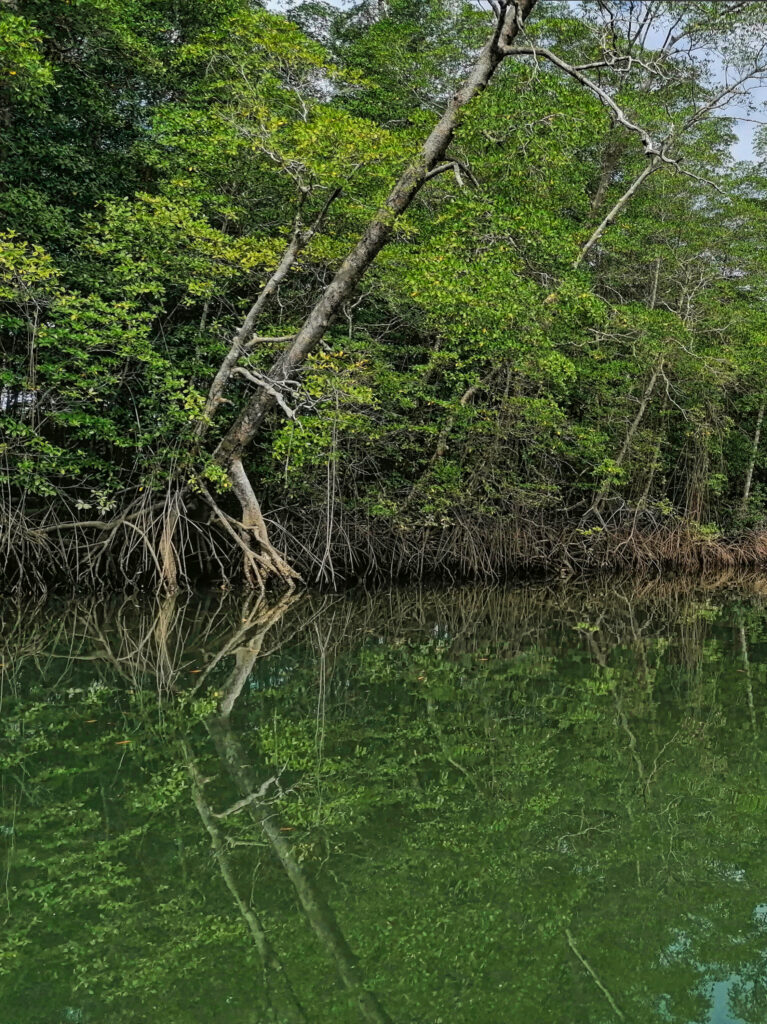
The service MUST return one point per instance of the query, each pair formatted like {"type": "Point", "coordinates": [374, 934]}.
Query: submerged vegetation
{"type": "Point", "coordinates": [382, 288]}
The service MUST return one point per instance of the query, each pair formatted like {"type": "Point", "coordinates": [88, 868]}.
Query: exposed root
{"type": "Point", "coordinates": [158, 544]}
{"type": "Point", "coordinates": [167, 550]}
{"type": "Point", "coordinates": [521, 542]}
{"type": "Point", "coordinates": [184, 538]}
{"type": "Point", "coordinates": [268, 561]}
{"type": "Point", "coordinates": [166, 543]}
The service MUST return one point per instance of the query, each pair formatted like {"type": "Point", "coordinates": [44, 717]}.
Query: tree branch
{"type": "Point", "coordinates": [456, 167]}
{"type": "Point", "coordinates": [649, 146]}
{"type": "Point", "coordinates": [270, 387]}
{"type": "Point", "coordinates": [633, 188]}
{"type": "Point", "coordinates": [299, 239]}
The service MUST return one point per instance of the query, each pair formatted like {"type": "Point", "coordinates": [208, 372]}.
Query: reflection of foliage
{"type": "Point", "coordinates": [468, 776]}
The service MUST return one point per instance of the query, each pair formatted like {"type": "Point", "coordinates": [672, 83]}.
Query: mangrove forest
{"type": "Point", "coordinates": [322, 292]}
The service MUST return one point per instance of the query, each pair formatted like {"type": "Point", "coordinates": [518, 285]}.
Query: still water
{"type": "Point", "coordinates": [534, 805]}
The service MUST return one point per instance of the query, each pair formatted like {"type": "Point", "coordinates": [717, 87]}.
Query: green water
{"type": "Point", "coordinates": [545, 806]}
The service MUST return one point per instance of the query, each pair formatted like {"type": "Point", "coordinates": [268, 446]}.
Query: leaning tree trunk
{"type": "Point", "coordinates": [510, 19]}
{"type": "Point", "coordinates": [604, 488]}
{"type": "Point", "coordinates": [752, 458]}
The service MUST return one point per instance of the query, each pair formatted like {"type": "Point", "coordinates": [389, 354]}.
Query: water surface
{"type": "Point", "coordinates": [536, 805]}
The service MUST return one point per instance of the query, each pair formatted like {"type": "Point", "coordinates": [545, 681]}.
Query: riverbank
{"type": "Point", "coordinates": [152, 548]}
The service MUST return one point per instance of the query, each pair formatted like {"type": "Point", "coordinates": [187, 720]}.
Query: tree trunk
{"type": "Point", "coordinates": [259, 566]}
{"type": "Point", "coordinates": [754, 452]}
{"type": "Point", "coordinates": [442, 443]}
{"type": "Point", "coordinates": [379, 231]}
{"type": "Point", "coordinates": [604, 487]}
{"type": "Point", "coordinates": [270, 561]}
{"type": "Point", "coordinates": [609, 167]}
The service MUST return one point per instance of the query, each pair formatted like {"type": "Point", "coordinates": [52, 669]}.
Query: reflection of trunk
{"type": "Point", "coordinates": [595, 977]}
{"type": "Point", "coordinates": [747, 672]}
{"type": "Point", "coordinates": [318, 912]}
{"type": "Point", "coordinates": [754, 452]}
{"type": "Point", "coordinates": [269, 958]}
{"type": "Point", "coordinates": [166, 668]}
{"type": "Point", "coordinates": [604, 487]}
{"type": "Point", "coordinates": [246, 646]}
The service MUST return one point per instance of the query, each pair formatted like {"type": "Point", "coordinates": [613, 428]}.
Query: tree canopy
{"type": "Point", "coordinates": [395, 288]}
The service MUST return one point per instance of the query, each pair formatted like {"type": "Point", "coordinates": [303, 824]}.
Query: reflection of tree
{"type": "Point", "coordinates": [255, 801]}
{"type": "Point", "coordinates": [270, 959]}
{"type": "Point", "coordinates": [318, 912]}
{"type": "Point", "coordinates": [498, 770]}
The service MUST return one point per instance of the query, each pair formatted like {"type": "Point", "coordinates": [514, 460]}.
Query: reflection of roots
{"type": "Point", "coordinates": [174, 642]}
{"type": "Point", "coordinates": [178, 643]}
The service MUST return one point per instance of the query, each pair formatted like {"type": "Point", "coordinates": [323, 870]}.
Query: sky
{"type": "Point", "coordinates": [746, 130]}
{"type": "Point", "coordinates": [745, 127]}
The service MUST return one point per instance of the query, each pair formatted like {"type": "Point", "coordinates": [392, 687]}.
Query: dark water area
{"type": "Point", "coordinates": [544, 805]}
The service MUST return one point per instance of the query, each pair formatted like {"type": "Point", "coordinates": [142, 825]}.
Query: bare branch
{"type": "Point", "coordinates": [700, 178]}
{"type": "Point", "coordinates": [633, 188]}
{"type": "Point", "coordinates": [456, 167]}
{"type": "Point", "coordinates": [725, 94]}
{"type": "Point", "coordinates": [650, 147]}
{"type": "Point", "coordinates": [253, 798]}
{"type": "Point", "coordinates": [270, 387]}
{"type": "Point", "coordinates": [299, 239]}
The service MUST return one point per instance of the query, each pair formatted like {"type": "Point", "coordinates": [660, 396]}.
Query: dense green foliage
{"type": "Point", "coordinates": [494, 396]}
{"type": "Point", "coordinates": [468, 777]}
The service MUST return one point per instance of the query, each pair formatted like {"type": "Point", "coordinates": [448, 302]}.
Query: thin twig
{"type": "Point", "coordinates": [571, 942]}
